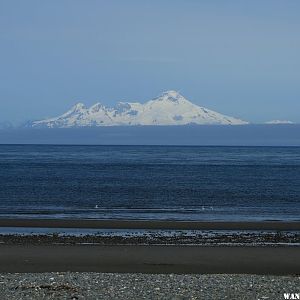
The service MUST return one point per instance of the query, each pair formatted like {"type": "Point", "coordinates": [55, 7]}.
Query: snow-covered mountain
{"type": "Point", "coordinates": [170, 108]}
{"type": "Point", "coordinates": [276, 122]}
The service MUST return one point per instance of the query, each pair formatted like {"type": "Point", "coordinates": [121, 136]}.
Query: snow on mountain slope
{"type": "Point", "coordinates": [170, 108]}
{"type": "Point", "coordinates": [276, 122]}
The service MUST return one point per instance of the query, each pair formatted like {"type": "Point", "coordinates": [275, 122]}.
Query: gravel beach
{"type": "Point", "coordinates": [145, 286]}
{"type": "Point", "coordinates": [163, 264]}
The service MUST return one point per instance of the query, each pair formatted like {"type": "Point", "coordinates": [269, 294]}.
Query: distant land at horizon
{"type": "Point", "coordinates": [186, 135]}
{"type": "Point", "coordinates": [168, 109]}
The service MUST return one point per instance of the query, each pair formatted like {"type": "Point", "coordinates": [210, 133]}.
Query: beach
{"type": "Point", "coordinates": [125, 259]}
{"type": "Point", "coordinates": [45, 267]}
{"type": "Point", "coordinates": [150, 247]}
{"type": "Point", "coordinates": [150, 259]}
{"type": "Point", "coordinates": [144, 286]}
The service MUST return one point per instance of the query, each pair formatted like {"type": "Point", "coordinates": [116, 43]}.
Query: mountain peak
{"type": "Point", "coordinates": [78, 107]}
{"type": "Point", "coordinates": [96, 107]}
{"type": "Point", "coordinates": [171, 95]}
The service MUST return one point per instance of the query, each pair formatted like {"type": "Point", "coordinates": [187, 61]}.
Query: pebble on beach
{"type": "Point", "coordinates": [144, 286]}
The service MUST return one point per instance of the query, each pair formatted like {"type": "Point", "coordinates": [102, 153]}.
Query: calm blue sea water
{"type": "Point", "coordinates": [150, 182]}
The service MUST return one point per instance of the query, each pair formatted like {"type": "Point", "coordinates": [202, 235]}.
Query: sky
{"type": "Point", "coordinates": [240, 58]}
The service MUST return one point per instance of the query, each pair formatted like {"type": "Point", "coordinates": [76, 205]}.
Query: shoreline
{"type": "Point", "coordinates": [211, 247]}
{"type": "Point", "coordinates": [161, 237]}
{"type": "Point", "coordinates": [151, 224]}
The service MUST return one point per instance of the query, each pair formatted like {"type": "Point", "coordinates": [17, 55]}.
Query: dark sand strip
{"type": "Point", "coordinates": [136, 224]}
{"type": "Point", "coordinates": [150, 259]}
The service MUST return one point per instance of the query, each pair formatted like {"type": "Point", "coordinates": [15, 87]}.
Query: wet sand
{"type": "Point", "coordinates": [150, 259]}
{"type": "Point", "coordinates": [154, 254]}
{"type": "Point", "coordinates": [141, 224]}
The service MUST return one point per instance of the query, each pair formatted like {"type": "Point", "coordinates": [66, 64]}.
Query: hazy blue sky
{"type": "Point", "coordinates": [238, 57]}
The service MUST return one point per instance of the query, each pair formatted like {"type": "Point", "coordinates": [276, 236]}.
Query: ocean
{"type": "Point", "coordinates": [150, 182]}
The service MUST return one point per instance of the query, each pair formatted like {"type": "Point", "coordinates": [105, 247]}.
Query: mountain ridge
{"type": "Point", "coordinates": [170, 108]}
